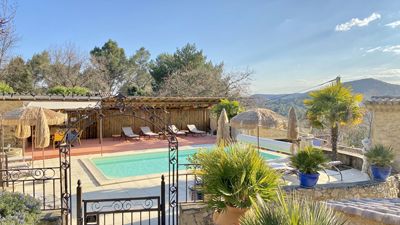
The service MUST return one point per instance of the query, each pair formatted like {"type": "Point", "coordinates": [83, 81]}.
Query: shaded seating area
{"type": "Point", "coordinates": [127, 132]}
{"type": "Point", "coordinates": [146, 131]}
{"type": "Point", "coordinates": [193, 130]}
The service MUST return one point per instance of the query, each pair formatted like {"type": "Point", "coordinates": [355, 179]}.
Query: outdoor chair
{"type": "Point", "coordinates": [283, 166]}
{"type": "Point", "coordinates": [127, 132]}
{"type": "Point", "coordinates": [58, 137]}
{"type": "Point", "coordinates": [176, 131]}
{"type": "Point", "coordinates": [146, 131]}
{"type": "Point", "coordinates": [193, 130]}
{"type": "Point", "coordinates": [78, 138]}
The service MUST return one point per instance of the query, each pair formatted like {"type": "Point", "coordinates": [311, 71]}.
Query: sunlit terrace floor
{"type": "Point", "coordinates": [110, 145]}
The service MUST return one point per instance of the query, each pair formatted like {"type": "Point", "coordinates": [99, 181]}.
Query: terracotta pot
{"type": "Point", "coordinates": [230, 216]}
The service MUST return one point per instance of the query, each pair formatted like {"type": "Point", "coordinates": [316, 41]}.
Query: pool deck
{"type": "Point", "coordinates": [110, 145]}
{"type": "Point", "coordinates": [148, 187]}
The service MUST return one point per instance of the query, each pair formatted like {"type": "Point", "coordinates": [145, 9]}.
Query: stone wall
{"type": "Point", "coordinates": [195, 214]}
{"type": "Point", "coordinates": [199, 214]}
{"type": "Point", "coordinates": [357, 220]}
{"type": "Point", "coordinates": [386, 128]}
{"type": "Point", "coordinates": [355, 190]}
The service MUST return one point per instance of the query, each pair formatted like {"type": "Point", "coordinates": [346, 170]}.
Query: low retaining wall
{"type": "Point", "coordinates": [336, 191]}
{"type": "Point", "coordinates": [199, 214]}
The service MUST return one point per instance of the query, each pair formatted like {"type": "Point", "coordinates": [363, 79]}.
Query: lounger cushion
{"type": "Point", "coordinates": [146, 131]}
{"type": "Point", "coordinates": [192, 128]}
{"type": "Point", "coordinates": [129, 133]}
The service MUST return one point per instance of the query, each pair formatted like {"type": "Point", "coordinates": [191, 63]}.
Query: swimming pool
{"type": "Point", "coordinates": [145, 163]}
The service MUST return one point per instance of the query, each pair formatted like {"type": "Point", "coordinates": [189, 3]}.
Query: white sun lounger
{"type": "Point", "coordinates": [19, 158]}
{"type": "Point", "coordinates": [127, 132]}
{"type": "Point", "coordinates": [193, 129]}
{"type": "Point", "coordinates": [176, 131]}
{"type": "Point", "coordinates": [146, 131]}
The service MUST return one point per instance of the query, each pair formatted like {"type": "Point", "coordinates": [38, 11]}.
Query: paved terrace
{"type": "Point", "coordinates": [110, 145]}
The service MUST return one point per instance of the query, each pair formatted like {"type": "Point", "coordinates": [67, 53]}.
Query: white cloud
{"type": "Point", "coordinates": [395, 49]}
{"type": "Point", "coordinates": [357, 22]}
{"type": "Point", "coordinates": [393, 24]}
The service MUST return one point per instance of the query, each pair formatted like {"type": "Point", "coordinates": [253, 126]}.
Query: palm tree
{"type": "Point", "coordinates": [332, 107]}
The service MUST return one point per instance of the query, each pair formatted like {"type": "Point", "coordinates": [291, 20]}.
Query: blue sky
{"type": "Point", "coordinates": [289, 44]}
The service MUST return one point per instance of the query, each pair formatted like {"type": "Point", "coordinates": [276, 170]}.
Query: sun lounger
{"type": "Point", "coordinates": [19, 159]}
{"type": "Point", "coordinates": [193, 129]}
{"type": "Point", "coordinates": [176, 131]}
{"type": "Point", "coordinates": [18, 165]}
{"type": "Point", "coordinates": [127, 132]}
{"type": "Point", "coordinates": [146, 131]}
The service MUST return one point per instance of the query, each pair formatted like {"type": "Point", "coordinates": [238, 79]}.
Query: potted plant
{"type": "Point", "coordinates": [380, 158]}
{"type": "Point", "coordinates": [308, 162]}
{"type": "Point", "coordinates": [232, 177]}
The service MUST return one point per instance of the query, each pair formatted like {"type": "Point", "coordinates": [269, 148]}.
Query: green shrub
{"type": "Point", "coordinates": [78, 90]}
{"type": "Point", "coordinates": [380, 155]}
{"type": "Point", "coordinates": [234, 176]}
{"type": "Point", "coordinates": [5, 88]}
{"type": "Point", "coordinates": [17, 208]}
{"type": "Point", "coordinates": [232, 108]}
{"type": "Point", "coordinates": [62, 90]}
{"type": "Point", "coordinates": [309, 160]}
{"type": "Point", "coordinates": [291, 211]}
{"type": "Point", "coordinates": [58, 90]}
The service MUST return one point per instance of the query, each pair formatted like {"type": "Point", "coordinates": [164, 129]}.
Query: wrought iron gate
{"type": "Point", "coordinates": [51, 185]}
{"type": "Point", "coordinates": [137, 210]}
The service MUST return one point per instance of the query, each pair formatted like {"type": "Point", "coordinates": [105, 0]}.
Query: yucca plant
{"type": "Point", "coordinates": [234, 175]}
{"type": "Point", "coordinates": [291, 210]}
{"type": "Point", "coordinates": [380, 155]}
{"type": "Point", "coordinates": [309, 160]}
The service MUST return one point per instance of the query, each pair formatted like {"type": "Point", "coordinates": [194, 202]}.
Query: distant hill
{"type": "Point", "coordinates": [281, 103]}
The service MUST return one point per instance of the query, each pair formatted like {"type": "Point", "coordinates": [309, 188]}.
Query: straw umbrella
{"type": "Point", "coordinates": [293, 130]}
{"type": "Point", "coordinates": [42, 132]}
{"type": "Point", "coordinates": [23, 132]}
{"type": "Point", "coordinates": [223, 130]}
{"type": "Point", "coordinates": [256, 118]}
{"type": "Point", "coordinates": [34, 116]}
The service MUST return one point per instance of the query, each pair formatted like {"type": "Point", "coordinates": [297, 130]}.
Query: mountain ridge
{"type": "Point", "coordinates": [369, 87]}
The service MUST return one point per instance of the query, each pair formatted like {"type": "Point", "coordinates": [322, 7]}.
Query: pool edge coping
{"type": "Point", "coordinates": [102, 180]}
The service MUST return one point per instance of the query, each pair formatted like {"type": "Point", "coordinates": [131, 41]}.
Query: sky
{"type": "Point", "coordinates": [290, 45]}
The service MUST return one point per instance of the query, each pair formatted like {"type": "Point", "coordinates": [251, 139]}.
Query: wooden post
{"type": "Point", "coordinates": [258, 137]}
{"type": "Point", "coordinates": [101, 133]}
{"type": "Point", "coordinates": [79, 204]}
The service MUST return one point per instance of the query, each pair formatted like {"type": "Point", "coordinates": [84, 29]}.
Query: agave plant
{"type": "Point", "coordinates": [291, 211]}
{"type": "Point", "coordinates": [309, 160]}
{"type": "Point", "coordinates": [234, 176]}
{"type": "Point", "coordinates": [379, 155]}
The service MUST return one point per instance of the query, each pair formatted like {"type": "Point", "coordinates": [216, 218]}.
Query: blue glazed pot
{"type": "Point", "coordinates": [380, 173]}
{"type": "Point", "coordinates": [308, 180]}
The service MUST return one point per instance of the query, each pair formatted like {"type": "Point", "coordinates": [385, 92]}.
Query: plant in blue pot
{"type": "Point", "coordinates": [380, 158]}
{"type": "Point", "coordinates": [308, 162]}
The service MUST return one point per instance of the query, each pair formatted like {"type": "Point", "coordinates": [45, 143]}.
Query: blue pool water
{"type": "Point", "coordinates": [145, 163]}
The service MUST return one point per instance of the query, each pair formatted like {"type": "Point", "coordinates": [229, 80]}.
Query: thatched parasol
{"type": "Point", "coordinates": [256, 118]}
{"type": "Point", "coordinates": [41, 118]}
{"type": "Point", "coordinates": [252, 119]}
{"type": "Point", "coordinates": [28, 116]}
{"type": "Point", "coordinates": [223, 131]}
{"type": "Point", "coordinates": [293, 129]}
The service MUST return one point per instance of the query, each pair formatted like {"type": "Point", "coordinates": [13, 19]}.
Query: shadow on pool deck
{"type": "Point", "coordinates": [92, 146]}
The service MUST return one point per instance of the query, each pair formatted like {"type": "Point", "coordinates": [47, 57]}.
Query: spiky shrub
{"type": "Point", "coordinates": [309, 160]}
{"type": "Point", "coordinates": [292, 210]}
{"type": "Point", "coordinates": [17, 208]}
{"type": "Point", "coordinates": [380, 155]}
{"type": "Point", "coordinates": [234, 176]}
